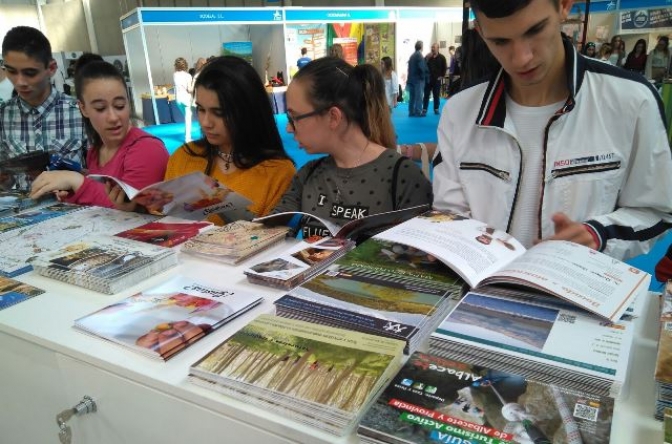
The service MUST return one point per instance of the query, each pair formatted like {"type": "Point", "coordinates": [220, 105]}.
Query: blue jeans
{"type": "Point", "coordinates": [415, 91]}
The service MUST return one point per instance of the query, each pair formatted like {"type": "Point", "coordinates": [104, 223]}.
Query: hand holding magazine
{"type": "Point", "coordinates": [483, 256]}
{"type": "Point", "coordinates": [193, 196]}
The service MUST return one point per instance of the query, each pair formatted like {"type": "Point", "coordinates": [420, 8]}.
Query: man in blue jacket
{"type": "Point", "coordinates": [555, 145]}
{"type": "Point", "coordinates": [415, 81]}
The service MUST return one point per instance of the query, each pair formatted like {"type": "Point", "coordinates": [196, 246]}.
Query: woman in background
{"type": "Point", "coordinates": [117, 149]}
{"type": "Point", "coordinates": [658, 60]}
{"type": "Point", "coordinates": [340, 110]}
{"type": "Point", "coordinates": [241, 147]}
{"type": "Point", "coordinates": [636, 60]}
{"type": "Point", "coordinates": [589, 50]}
{"type": "Point", "coordinates": [182, 81]}
{"type": "Point", "coordinates": [391, 82]}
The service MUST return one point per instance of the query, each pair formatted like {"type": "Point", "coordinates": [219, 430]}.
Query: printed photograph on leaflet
{"type": "Point", "coordinates": [166, 232]}
{"type": "Point", "coordinates": [484, 256]}
{"type": "Point", "coordinates": [13, 291]}
{"type": "Point", "coordinates": [324, 365]}
{"type": "Point", "coordinates": [436, 400]}
{"type": "Point", "coordinates": [566, 337]}
{"type": "Point", "coordinates": [193, 196]}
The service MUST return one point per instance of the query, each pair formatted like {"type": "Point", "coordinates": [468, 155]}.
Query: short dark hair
{"type": "Point", "coordinates": [304, 51]}
{"type": "Point", "coordinates": [499, 8]}
{"type": "Point", "coordinates": [85, 59]}
{"type": "Point", "coordinates": [29, 41]}
{"type": "Point", "coordinates": [418, 45]}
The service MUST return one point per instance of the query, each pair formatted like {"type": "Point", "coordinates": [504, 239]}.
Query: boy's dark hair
{"type": "Point", "coordinates": [418, 45]}
{"type": "Point", "coordinates": [29, 41]}
{"type": "Point", "coordinates": [304, 51]}
{"type": "Point", "coordinates": [500, 9]}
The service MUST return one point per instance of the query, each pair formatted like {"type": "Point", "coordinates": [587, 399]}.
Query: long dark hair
{"type": "Point", "coordinates": [85, 73]}
{"type": "Point", "coordinates": [246, 111]}
{"type": "Point", "coordinates": [358, 92]}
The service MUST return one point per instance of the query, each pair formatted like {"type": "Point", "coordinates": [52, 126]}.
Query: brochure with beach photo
{"type": "Point", "coordinates": [485, 257]}
{"type": "Point", "coordinates": [166, 319]}
{"type": "Point", "coordinates": [193, 196]}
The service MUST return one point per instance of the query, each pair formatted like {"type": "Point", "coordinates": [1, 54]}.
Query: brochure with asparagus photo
{"type": "Point", "coordinates": [484, 257]}
{"type": "Point", "coordinates": [193, 196]}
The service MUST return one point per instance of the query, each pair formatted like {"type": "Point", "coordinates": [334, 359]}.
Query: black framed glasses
{"type": "Point", "coordinates": [293, 119]}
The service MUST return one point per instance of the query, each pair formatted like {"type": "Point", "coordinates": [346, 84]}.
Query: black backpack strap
{"type": "Point", "coordinates": [395, 176]}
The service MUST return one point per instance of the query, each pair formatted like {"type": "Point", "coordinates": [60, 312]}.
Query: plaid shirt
{"type": "Point", "coordinates": [55, 126]}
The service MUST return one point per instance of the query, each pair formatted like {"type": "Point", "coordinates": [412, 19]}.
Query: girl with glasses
{"type": "Point", "coordinates": [341, 111]}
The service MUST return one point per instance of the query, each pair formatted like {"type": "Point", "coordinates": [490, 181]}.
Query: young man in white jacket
{"type": "Point", "coordinates": [555, 145]}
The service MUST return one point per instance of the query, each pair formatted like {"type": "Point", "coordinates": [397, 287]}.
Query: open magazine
{"type": "Point", "coordinates": [193, 196]}
{"type": "Point", "coordinates": [367, 225]}
{"type": "Point", "coordinates": [485, 257]}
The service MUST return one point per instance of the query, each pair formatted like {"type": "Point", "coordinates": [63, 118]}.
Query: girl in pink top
{"type": "Point", "coordinates": [117, 149]}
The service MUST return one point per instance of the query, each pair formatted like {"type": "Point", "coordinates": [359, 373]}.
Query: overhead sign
{"type": "Point", "coordinates": [212, 15]}
{"type": "Point", "coordinates": [339, 15]}
{"type": "Point", "coordinates": [646, 19]}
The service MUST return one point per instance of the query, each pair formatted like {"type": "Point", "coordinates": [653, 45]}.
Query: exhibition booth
{"type": "Point", "coordinates": [271, 39]}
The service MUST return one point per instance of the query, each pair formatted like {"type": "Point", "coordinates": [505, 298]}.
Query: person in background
{"type": "Point", "coordinates": [117, 149]}
{"type": "Point", "coordinates": [391, 81]}
{"type": "Point", "coordinates": [39, 118]}
{"type": "Point", "coordinates": [589, 50]}
{"type": "Point", "coordinates": [336, 50]}
{"type": "Point", "coordinates": [452, 66]}
{"type": "Point", "coordinates": [418, 76]}
{"type": "Point", "coordinates": [618, 54]}
{"type": "Point", "coordinates": [512, 152]}
{"type": "Point", "coordinates": [6, 87]}
{"type": "Point", "coordinates": [198, 66]}
{"type": "Point", "coordinates": [241, 146]}
{"type": "Point", "coordinates": [437, 66]}
{"type": "Point", "coordinates": [658, 60]}
{"type": "Point", "coordinates": [340, 110]}
{"type": "Point", "coordinates": [605, 54]}
{"type": "Point", "coordinates": [182, 83]}
{"type": "Point", "coordinates": [636, 60]}
{"type": "Point", "coordinates": [304, 59]}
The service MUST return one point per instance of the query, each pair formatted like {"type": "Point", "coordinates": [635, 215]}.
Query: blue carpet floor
{"type": "Point", "coordinates": [409, 130]}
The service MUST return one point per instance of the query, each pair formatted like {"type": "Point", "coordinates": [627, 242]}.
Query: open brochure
{"type": "Point", "coordinates": [356, 227]}
{"type": "Point", "coordinates": [193, 196]}
{"type": "Point", "coordinates": [483, 256]}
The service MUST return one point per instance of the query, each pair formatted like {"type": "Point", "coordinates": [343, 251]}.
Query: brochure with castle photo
{"type": "Point", "coordinates": [484, 257]}
{"type": "Point", "coordinates": [437, 400]}
{"type": "Point", "coordinates": [166, 319]}
{"type": "Point", "coordinates": [193, 196]}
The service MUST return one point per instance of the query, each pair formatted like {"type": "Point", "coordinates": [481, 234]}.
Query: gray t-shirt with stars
{"type": "Point", "coordinates": [343, 194]}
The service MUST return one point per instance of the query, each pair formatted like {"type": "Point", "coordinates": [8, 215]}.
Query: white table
{"type": "Point", "coordinates": [46, 366]}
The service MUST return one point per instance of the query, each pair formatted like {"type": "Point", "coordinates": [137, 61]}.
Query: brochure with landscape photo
{"type": "Point", "coordinates": [161, 321]}
{"type": "Point", "coordinates": [484, 256]}
{"type": "Point", "coordinates": [193, 196]}
{"type": "Point", "coordinates": [13, 291]}
{"type": "Point", "coordinates": [437, 400]}
{"type": "Point", "coordinates": [167, 232]}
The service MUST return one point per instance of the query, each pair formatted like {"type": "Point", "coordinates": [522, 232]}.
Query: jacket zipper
{"type": "Point", "coordinates": [475, 166]}
{"type": "Point", "coordinates": [586, 169]}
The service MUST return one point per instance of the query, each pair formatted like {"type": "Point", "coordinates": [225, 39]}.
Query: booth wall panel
{"type": "Point", "coordinates": [138, 71]}
{"type": "Point", "coordinates": [12, 15]}
{"type": "Point", "coordinates": [105, 16]}
{"type": "Point", "coordinates": [425, 3]}
{"type": "Point", "coordinates": [66, 26]}
{"type": "Point", "coordinates": [268, 40]}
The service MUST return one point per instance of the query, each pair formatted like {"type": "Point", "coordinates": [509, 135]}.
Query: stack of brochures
{"type": "Point", "coordinates": [321, 376]}
{"type": "Point", "coordinates": [303, 261]}
{"type": "Point", "coordinates": [234, 242]}
{"type": "Point", "coordinates": [107, 264]}
{"type": "Point", "coordinates": [164, 320]}
{"type": "Point", "coordinates": [13, 291]}
{"type": "Point", "coordinates": [663, 372]}
{"type": "Point", "coordinates": [538, 337]}
{"type": "Point", "coordinates": [378, 288]}
{"type": "Point", "coordinates": [433, 399]}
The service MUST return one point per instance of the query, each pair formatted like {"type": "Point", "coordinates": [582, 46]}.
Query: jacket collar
{"type": "Point", "coordinates": [493, 106]}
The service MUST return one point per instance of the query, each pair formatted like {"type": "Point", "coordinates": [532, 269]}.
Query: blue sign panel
{"type": "Point", "coordinates": [646, 19]}
{"type": "Point", "coordinates": [434, 14]}
{"type": "Point", "coordinates": [644, 4]}
{"type": "Point", "coordinates": [595, 7]}
{"type": "Point", "coordinates": [129, 21]}
{"type": "Point", "coordinates": [339, 15]}
{"type": "Point", "coordinates": [211, 15]}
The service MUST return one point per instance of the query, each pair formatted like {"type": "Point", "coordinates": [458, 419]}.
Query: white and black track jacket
{"type": "Point", "coordinates": [606, 153]}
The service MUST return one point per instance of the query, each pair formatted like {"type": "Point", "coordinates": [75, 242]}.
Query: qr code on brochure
{"type": "Point", "coordinates": [586, 412]}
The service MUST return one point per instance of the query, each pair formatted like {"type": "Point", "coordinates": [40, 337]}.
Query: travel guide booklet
{"type": "Point", "coordinates": [167, 232]}
{"type": "Point", "coordinates": [299, 264]}
{"type": "Point", "coordinates": [164, 320]}
{"type": "Point", "coordinates": [193, 196]}
{"type": "Point", "coordinates": [540, 337]}
{"type": "Point", "coordinates": [437, 400]}
{"type": "Point", "coordinates": [22, 244]}
{"type": "Point", "coordinates": [107, 264]}
{"type": "Point", "coordinates": [33, 216]}
{"type": "Point", "coordinates": [485, 257]}
{"type": "Point", "coordinates": [234, 242]}
{"type": "Point", "coordinates": [13, 291]}
{"type": "Point", "coordinates": [355, 228]}
{"type": "Point", "coordinates": [318, 375]}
